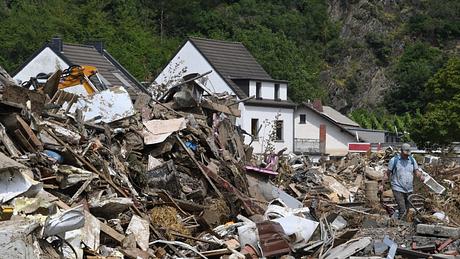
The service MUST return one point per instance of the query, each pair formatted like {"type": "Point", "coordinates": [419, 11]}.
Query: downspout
{"type": "Point", "coordinates": [293, 128]}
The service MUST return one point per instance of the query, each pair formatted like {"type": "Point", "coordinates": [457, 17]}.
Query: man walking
{"type": "Point", "coordinates": [401, 170]}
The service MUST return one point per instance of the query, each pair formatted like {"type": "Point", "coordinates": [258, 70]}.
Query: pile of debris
{"type": "Point", "coordinates": [103, 176]}
{"type": "Point", "coordinates": [344, 194]}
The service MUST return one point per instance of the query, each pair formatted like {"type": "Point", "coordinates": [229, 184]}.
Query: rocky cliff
{"type": "Point", "coordinates": [372, 36]}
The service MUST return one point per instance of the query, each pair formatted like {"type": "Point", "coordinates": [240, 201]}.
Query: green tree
{"type": "Point", "coordinates": [440, 124]}
{"type": "Point", "coordinates": [380, 46]}
{"type": "Point", "coordinates": [287, 37]}
{"type": "Point", "coordinates": [436, 20]}
{"type": "Point", "coordinates": [27, 25]}
{"type": "Point", "coordinates": [418, 63]}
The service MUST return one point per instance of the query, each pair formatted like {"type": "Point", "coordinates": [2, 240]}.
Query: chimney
{"type": "Point", "coordinates": [322, 138]}
{"type": "Point", "coordinates": [99, 46]}
{"type": "Point", "coordinates": [317, 105]}
{"type": "Point", "coordinates": [56, 44]}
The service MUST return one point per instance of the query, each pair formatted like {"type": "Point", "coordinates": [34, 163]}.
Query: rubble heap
{"type": "Point", "coordinates": [101, 176]}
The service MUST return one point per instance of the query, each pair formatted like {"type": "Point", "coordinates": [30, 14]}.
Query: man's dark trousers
{"type": "Point", "coordinates": [403, 202]}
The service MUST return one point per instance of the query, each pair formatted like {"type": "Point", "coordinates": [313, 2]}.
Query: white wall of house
{"type": "Point", "coordinates": [336, 140]}
{"type": "Point", "coordinates": [266, 115]}
{"type": "Point", "coordinates": [268, 90]}
{"type": "Point", "coordinates": [45, 62]}
{"type": "Point", "coordinates": [190, 59]}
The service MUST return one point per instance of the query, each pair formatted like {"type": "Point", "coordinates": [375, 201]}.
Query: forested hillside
{"type": "Point", "coordinates": [381, 57]}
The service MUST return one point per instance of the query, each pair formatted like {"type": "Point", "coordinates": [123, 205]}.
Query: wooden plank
{"type": "Point", "coordinates": [191, 155]}
{"type": "Point", "coordinates": [220, 108]}
{"type": "Point", "coordinates": [51, 85]}
{"type": "Point", "coordinates": [217, 252]}
{"type": "Point", "coordinates": [81, 189]}
{"type": "Point", "coordinates": [111, 232]}
{"type": "Point", "coordinates": [164, 195]}
{"type": "Point", "coordinates": [8, 143]}
{"type": "Point", "coordinates": [26, 145]}
{"type": "Point", "coordinates": [111, 183]}
{"type": "Point", "coordinates": [20, 95]}
{"type": "Point", "coordinates": [292, 186]}
{"type": "Point", "coordinates": [415, 254]}
{"type": "Point", "coordinates": [104, 227]}
{"type": "Point", "coordinates": [438, 231]}
{"type": "Point", "coordinates": [29, 133]}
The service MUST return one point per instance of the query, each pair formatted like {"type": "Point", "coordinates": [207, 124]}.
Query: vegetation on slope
{"type": "Point", "coordinates": [292, 39]}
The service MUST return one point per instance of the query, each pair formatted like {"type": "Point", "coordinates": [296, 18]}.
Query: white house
{"type": "Point", "coordinates": [322, 129]}
{"type": "Point", "coordinates": [237, 72]}
{"type": "Point", "coordinates": [56, 55]}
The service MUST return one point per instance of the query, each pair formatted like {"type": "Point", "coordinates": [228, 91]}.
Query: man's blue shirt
{"type": "Point", "coordinates": [402, 178]}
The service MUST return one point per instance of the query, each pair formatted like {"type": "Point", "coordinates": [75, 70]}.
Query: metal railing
{"type": "Point", "coordinates": [305, 145]}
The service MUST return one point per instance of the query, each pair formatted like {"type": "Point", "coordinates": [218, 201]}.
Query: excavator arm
{"type": "Point", "coordinates": [75, 77]}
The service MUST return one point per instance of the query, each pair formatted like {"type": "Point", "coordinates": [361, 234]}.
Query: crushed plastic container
{"type": "Point", "coordinates": [432, 184]}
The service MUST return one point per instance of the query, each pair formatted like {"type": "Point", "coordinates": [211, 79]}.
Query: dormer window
{"type": "Point", "coordinates": [258, 90]}
{"type": "Point", "coordinates": [277, 92]}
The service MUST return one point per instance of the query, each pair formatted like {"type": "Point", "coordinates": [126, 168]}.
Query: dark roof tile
{"type": "Point", "coordinates": [88, 55]}
{"type": "Point", "coordinates": [231, 60]}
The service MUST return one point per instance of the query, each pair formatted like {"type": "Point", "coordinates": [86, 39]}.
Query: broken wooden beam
{"type": "Point", "coordinates": [203, 172]}
{"type": "Point", "coordinates": [220, 108]}
{"type": "Point", "coordinates": [249, 205]}
{"type": "Point", "coordinates": [104, 227]}
{"type": "Point", "coordinates": [8, 143]}
{"type": "Point", "coordinates": [21, 96]}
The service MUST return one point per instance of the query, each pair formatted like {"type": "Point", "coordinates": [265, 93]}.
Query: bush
{"type": "Point", "coordinates": [380, 47]}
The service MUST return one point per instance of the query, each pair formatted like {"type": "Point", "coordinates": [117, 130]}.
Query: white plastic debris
{"type": "Point", "coordinates": [140, 228]}
{"type": "Point", "coordinates": [65, 221]}
{"type": "Point", "coordinates": [299, 227]}
{"type": "Point", "coordinates": [17, 239]}
{"type": "Point", "coordinates": [91, 232]}
{"type": "Point", "coordinates": [274, 211]}
{"type": "Point", "coordinates": [106, 106]}
{"type": "Point", "coordinates": [441, 215]}
{"type": "Point", "coordinates": [339, 223]}
{"type": "Point", "coordinates": [432, 184]}
{"type": "Point", "coordinates": [15, 180]}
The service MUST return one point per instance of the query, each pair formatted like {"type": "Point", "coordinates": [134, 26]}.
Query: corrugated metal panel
{"type": "Point", "coordinates": [272, 239]}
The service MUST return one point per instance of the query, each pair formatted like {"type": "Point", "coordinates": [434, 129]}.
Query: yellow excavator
{"type": "Point", "coordinates": [80, 79]}
{"type": "Point", "coordinates": [84, 80]}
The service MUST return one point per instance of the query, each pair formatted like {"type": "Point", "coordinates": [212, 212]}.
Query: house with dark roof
{"type": "Point", "coordinates": [324, 130]}
{"type": "Point", "coordinates": [56, 55]}
{"type": "Point", "coordinates": [237, 72]}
